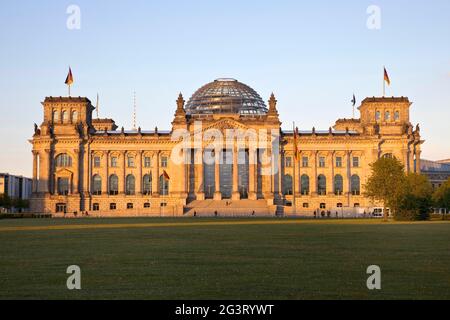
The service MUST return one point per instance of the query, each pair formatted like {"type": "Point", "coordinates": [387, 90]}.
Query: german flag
{"type": "Point", "coordinates": [69, 79]}
{"type": "Point", "coordinates": [386, 77]}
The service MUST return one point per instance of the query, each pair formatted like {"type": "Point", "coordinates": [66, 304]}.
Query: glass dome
{"type": "Point", "coordinates": [226, 96]}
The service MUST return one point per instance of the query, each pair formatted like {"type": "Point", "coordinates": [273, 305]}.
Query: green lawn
{"type": "Point", "coordinates": [310, 260]}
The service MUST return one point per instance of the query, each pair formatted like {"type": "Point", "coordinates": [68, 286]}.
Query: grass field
{"type": "Point", "coordinates": [223, 259]}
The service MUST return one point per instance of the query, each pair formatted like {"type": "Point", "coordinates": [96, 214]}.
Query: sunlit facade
{"type": "Point", "coordinates": [235, 159]}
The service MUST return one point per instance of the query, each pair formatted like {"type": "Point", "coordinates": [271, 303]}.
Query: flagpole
{"type": "Point", "coordinates": [295, 164]}
{"type": "Point", "coordinates": [384, 82]}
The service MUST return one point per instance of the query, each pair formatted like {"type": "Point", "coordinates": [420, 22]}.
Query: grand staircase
{"type": "Point", "coordinates": [229, 208]}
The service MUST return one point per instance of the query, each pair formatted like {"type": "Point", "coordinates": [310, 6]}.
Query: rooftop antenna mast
{"type": "Point", "coordinates": [97, 107]}
{"type": "Point", "coordinates": [134, 111]}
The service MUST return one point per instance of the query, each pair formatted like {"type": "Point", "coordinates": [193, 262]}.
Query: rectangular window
{"type": "Point", "coordinates": [164, 162]}
{"type": "Point", "coordinates": [357, 205]}
{"type": "Point", "coordinates": [163, 204]}
{"type": "Point", "coordinates": [323, 206]}
{"type": "Point", "coordinates": [147, 205]}
{"type": "Point", "coordinates": [114, 162]}
{"type": "Point", "coordinates": [96, 207]}
{"type": "Point", "coordinates": [129, 206]}
{"type": "Point", "coordinates": [338, 162]}
{"type": "Point", "coordinates": [96, 162]}
{"type": "Point", "coordinates": [305, 163]}
{"type": "Point", "coordinates": [130, 161]}
{"type": "Point", "coordinates": [356, 162]}
{"type": "Point", "coordinates": [112, 206]}
{"type": "Point", "coordinates": [322, 162]}
{"type": "Point", "coordinates": [288, 162]}
{"type": "Point", "coordinates": [305, 205]}
{"type": "Point", "coordinates": [339, 205]}
{"type": "Point", "coordinates": [147, 162]}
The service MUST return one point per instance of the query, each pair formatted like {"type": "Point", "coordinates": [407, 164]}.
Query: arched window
{"type": "Point", "coordinates": [397, 115]}
{"type": "Point", "coordinates": [387, 116]}
{"type": "Point", "coordinates": [147, 184]}
{"type": "Point", "coordinates": [322, 185]}
{"type": "Point", "coordinates": [130, 186]}
{"type": "Point", "coordinates": [163, 185]}
{"type": "Point", "coordinates": [63, 160]}
{"type": "Point", "coordinates": [305, 185]}
{"type": "Point", "coordinates": [377, 116]}
{"type": "Point", "coordinates": [65, 117]}
{"type": "Point", "coordinates": [356, 185]}
{"type": "Point", "coordinates": [55, 116]}
{"type": "Point", "coordinates": [74, 117]}
{"type": "Point", "coordinates": [63, 186]}
{"type": "Point", "coordinates": [96, 185]}
{"type": "Point", "coordinates": [388, 156]}
{"type": "Point", "coordinates": [287, 185]}
{"type": "Point", "coordinates": [113, 185]}
{"type": "Point", "coordinates": [338, 185]}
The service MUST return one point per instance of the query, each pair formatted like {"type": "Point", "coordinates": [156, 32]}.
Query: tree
{"type": "Point", "coordinates": [441, 196]}
{"type": "Point", "coordinates": [5, 201]}
{"type": "Point", "coordinates": [415, 198]}
{"type": "Point", "coordinates": [386, 182]}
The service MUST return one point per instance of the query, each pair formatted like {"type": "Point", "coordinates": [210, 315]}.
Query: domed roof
{"type": "Point", "coordinates": [225, 96]}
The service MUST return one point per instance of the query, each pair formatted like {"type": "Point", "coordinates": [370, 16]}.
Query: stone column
{"type": "Point", "coordinates": [155, 174]}
{"type": "Point", "coordinates": [252, 174]}
{"type": "Point", "coordinates": [183, 171]}
{"type": "Point", "coordinates": [347, 178]}
{"type": "Point", "coordinates": [296, 174]}
{"type": "Point", "coordinates": [122, 177]}
{"type": "Point", "coordinates": [313, 179]}
{"type": "Point", "coordinates": [217, 193]}
{"type": "Point", "coordinates": [139, 177]}
{"type": "Point", "coordinates": [270, 175]}
{"type": "Point", "coordinates": [330, 170]}
{"type": "Point", "coordinates": [418, 154]}
{"type": "Point", "coordinates": [199, 185]}
{"type": "Point", "coordinates": [236, 195]}
{"type": "Point", "coordinates": [35, 171]}
{"type": "Point", "coordinates": [76, 172]}
{"type": "Point", "coordinates": [105, 177]}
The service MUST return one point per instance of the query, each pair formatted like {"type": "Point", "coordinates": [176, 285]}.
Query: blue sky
{"type": "Point", "coordinates": [313, 55]}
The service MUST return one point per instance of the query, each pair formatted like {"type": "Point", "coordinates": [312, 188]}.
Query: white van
{"type": "Point", "coordinates": [379, 213]}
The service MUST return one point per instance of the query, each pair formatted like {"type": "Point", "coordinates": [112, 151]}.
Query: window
{"type": "Point", "coordinates": [357, 205]}
{"type": "Point", "coordinates": [55, 116]}
{"type": "Point", "coordinates": [388, 156]}
{"type": "Point", "coordinates": [387, 116]}
{"type": "Point", "coordinates": [96, 207]}
{"type": "Point", "coordinates": [355, 162]}
{"type": "Point", "coordinates": [355, 185]}
{"type": "Point", "coordinates": [96, 185]}
{"type": "Point", "coordinates": [287, 190]}
{"type": "Point", "coordinates": [74, 117]}
{"type": "Point", "coordinates": [323, 206]}
{"type": "Point", "coordinates": [130, 185]}
{"type": "Point", "coordinates": [129, 206]}
{"type": "Point", "coordinates": [146, 205]}
{"type": "Point", "coordinates": [338, 185]}
{"type": "Point", "coordinates": [377, 116]}
{"type": "Point", "coordinates": [163, 186]}
{"type": "Point", "coordinates": [61, 208]}
{"type": "Point", "coordinates": [163, 204]}
{"type": "Point", "coordinates": [164, 162]}
{"type": "Point", "coordinates": [322, 162]}
{"type": "Point", "coordinates": [147, 162]}
{"type": "Point", "coordinates": [306, 205]}
{"type": "Point", "coordinates": [396, 116]}
{"type": "Point", "coordinates": [96, 162]}
{"type": "Point", "coordinates": [339, 205]}
{"type": "Point", "coordinates": [130, 161]}
{"type": "Point", "coordinates": [63, 160]}
{"type": "Point", "coordinates": [288, 162]}
{"type": "Point", "coordinates": [63, 186]}
{"type": "Point", "coordinates": [112, 206]}
{"type": "Point", "coordinates": [65, 117]}
{"type": "Point", "coordinates": [305, 163]}
{"type": "Point", "coordinates": [113, 185]}
{"type": "Point", "coordinates": [114, 162]}
{"type": "Point", "coordinates": [339, 162]}
{"type": "Point", "coordinates": [322, 185]}
{"type": "Point", "coordinates": [147, 184]}
{"type": "Point", "coordinates": [305, 185]}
